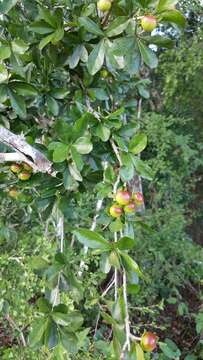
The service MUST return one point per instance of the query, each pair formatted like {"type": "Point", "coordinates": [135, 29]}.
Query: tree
{"type": "Point", "coordinates": [71, 83]}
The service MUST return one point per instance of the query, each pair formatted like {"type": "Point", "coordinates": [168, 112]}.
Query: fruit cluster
{"type": "Point", "coordinates": [125, 202]}
{"type": "Point", "coordinates": [23, 171]}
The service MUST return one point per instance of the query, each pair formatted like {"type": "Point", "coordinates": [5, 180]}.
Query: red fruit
{"type": "Point", "coordinates": [15, 168]}
{"type": "Point", "coordinates": [104, 5]}
{"type": "Point", "coordinates": [24, 175]}
{"type": "Point", "coordinates": [123, 197]}
{"type": "Point", "coordinates": [148, 341]}
{"type": "Point", "coordinates": [115, 211]}
{"type": "Point", "coordinates": [148, 23]}
{"type": "Point", "coordinates": [27, 167]}
{"type": "Point", "coordinates": [138, 198]}
{"type": "Point", "coordinates": [129, 208]}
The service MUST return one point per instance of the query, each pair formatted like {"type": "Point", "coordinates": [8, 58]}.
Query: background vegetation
{"type": "Point", "coordinates": [169, 242]}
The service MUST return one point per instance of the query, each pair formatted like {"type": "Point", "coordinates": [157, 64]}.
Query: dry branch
{"type": "Point", "coordinates": [23, 152]}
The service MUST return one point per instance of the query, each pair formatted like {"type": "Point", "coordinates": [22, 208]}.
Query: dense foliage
{"type": "Point", "coordinates": [76, 82]}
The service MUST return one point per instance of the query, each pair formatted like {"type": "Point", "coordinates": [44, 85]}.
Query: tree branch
{"type": "Point", "coordinates": [24, 152]}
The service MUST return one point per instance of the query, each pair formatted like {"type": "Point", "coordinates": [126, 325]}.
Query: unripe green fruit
{"type": "Point", "coordinates": [104, 73]}
{"type": "Point", "coordinates": [115, 211]}
{"type": "Point", "coordinates": [27, 167]}
{"type": "Point", "coordinates": [138, 198]}
{"type": "Point", "coordinates": [130, 208]}
{"type": "Point", "coordinates": [123, 197]}
{"type": "Point", "coordinates": [13, 193]}
{"type": "Point", "coordinates": [114, 260]}
{"type": "Point", "coordinates": [15, 168]}
{"type": "Point", "coordinates": [148, 341]}
{"type": "Point", "coordinates": [24, 176]}
{"type": "Point", "coordinates": [104, 5]}
{"type": "Point", "coordinates": [148, 23]}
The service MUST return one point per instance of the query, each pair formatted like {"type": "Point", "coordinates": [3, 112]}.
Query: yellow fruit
{"type": "Point", "coordinates": [130, 208]}
{"type": "Point", "coordinates": [24, 176]}
{"type": "Point", "coordinates": [104, 5]}
{"type": "Point", "coordinates": [15, 168]}
{"type": "Point", "coordinates": [122, 197]}
{"type": "Point", "coordinates": [13, 193]}
{"type": "Point", "coordinates": [148, 23]}
{"type": "Point", "coordinates": [115, 211]}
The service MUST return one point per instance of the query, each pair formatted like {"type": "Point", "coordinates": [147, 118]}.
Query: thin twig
{"type": "Point", "coordinates": [15, 326]}
{"type": "Point", "coordinates": [127, 321]}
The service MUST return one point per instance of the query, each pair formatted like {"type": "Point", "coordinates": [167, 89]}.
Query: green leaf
{"type": "Point", "coordinates": [23, 88]}
{"type": "Point", "coordinates": [130, 265]}
{"type": "Point", "coordinates": [6, 6]}
{"type": "Point", "coordinates": [116, 225]}
{"type": "Point", "coordinates": [3, 73]}
{"type": "Point", "coordinates": [125, 243]}
{"type": "Point", "coordinates": [74, 320]}
{"type": "Point", "coordinates": [77, 159]}
{"type": "Point", "coordinates": [92, 239]}
{"type": "Point", "coordinates": [105, 265]}
{"type": "Point", "coordinates": [90, 26]}
{"type": "Point", "coordinates": [96, 58]}
{"type": "Point", "coordinates": [44, 306]}
{"type": "Point", "coordinates": [143, 169]}
{"type": "Point", "coordinates": [74, 172]}
{"type": "Point", "coordinates": [139, 353]}
{"type": "Point", "coordinates": [59, 93]}
{"type": "Point", "coordinates": [47, 16]}
{"type": "Point", "coordinates": [46, 40]}
{"type": "Point", "coordinates": [19, 46]}
{"type": "Point", "coordinates": [17, 103]}
{"type": "Point", "coordinates": [148, 56]}
{"type": "Point", "coordinates": [162, 41]}
{"type": "Point", "coordinates": [5, 52]}
{"type": "Point", "coordinates": [169, 349]}
{"type": "Point", "coordinates": [53, 105]}
{"type": "Point", "coordinates": [117, 26]}
{"type": "Point", "coordinates": [69, 341]}
{"type": "Point", "coordinates": [41, 27]}
{"type": "Point", "coordinates": [165, 5]}
{"type": "Point", "coordinates": [60, 152]}
{"type": "Point", "coordinates": [79, 53]}
{"type": "Point", "coordinates": [38, 329]}
{"type": "Point", "coordinates": [83, 145]}
{"type": "Point", "coordinates": [103, 132]}
{"type": "Point", "coordinates": [138, 143]}
{"type": "Point", "coordinates": [174, 17]}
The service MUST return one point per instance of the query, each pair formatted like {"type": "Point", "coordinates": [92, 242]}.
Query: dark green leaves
{"type": "Point", "coordinates": [148, 56]}
{"type": "Point", "coordinates": [90, 26]}
{"type": "Point", "coordinates": [96, 58]}
{"type": "Point", "coordinates": [174, 17]}
{"type": "Point", "coordinates": [17, 103]}
{"type": "Point", "coordinates": [130, 265]}
{"type": "Point", "coordinates": [91, 239]}
{"type": "Point", "coordinates": [117, 26]}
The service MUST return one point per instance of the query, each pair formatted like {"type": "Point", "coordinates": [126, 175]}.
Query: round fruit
{"type": "Point", "coordinates": [27, 167]}
{"type": "Point", "coordinates": [15, 168]}
{"type": "Point", "coordinates": [24, 175]}
{"type": "Point", "coordinates": [104, 5]}
{"type": "Point", "coordinates": [115, 211]}
{"type": "Point", "coordinates": [138, 198]}
{"type": "Point", "coordinates": [148, 341]}
{"type": "Point", "coordinates": [13, 193]}
{"type": "Point", "coordinates": [104, 73]}
{"type": "Point", "coordinates": [123, 197]}
{"type": "Point", "coordinates": [148, 23]}
{"type": "Point", "coordinates": [130, 208]}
